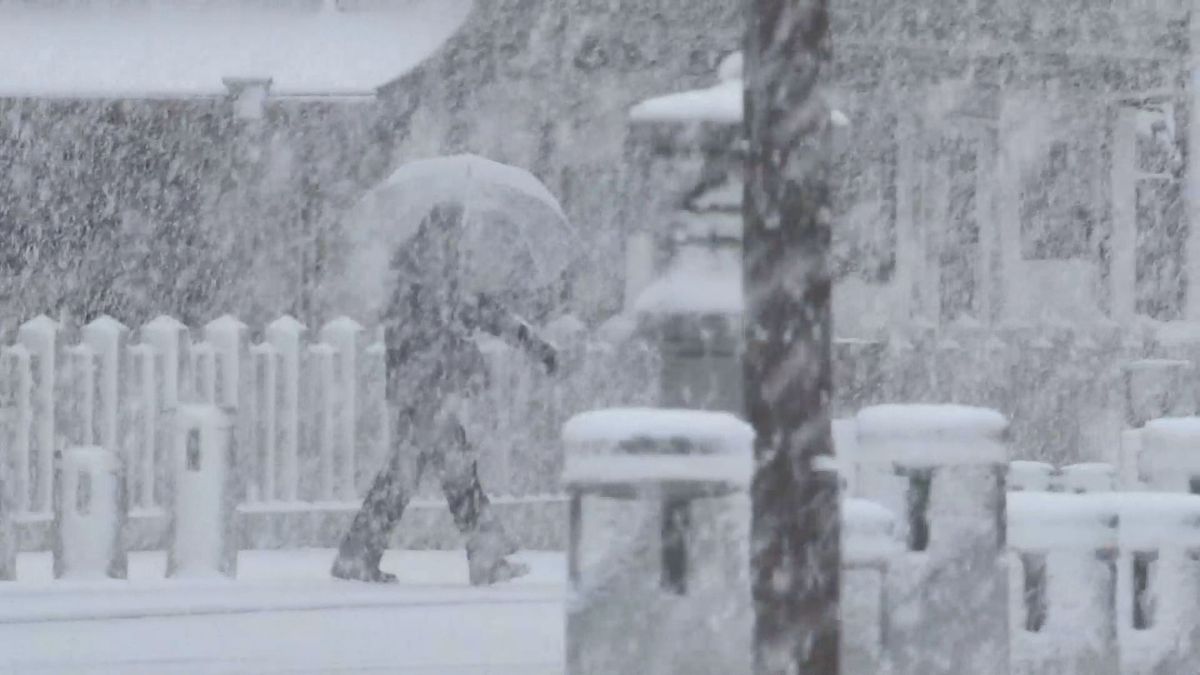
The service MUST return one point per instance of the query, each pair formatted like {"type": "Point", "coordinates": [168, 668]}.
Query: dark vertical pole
{"type": "Point", "coordinates": [794, 543]}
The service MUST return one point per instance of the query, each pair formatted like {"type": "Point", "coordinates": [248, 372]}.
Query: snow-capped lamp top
{"type": "Point", "coordinates": [650, 447]}
{"type": "Point", "coordinates": [709, 432]}
{"type": "Point", "coordinates": [932, 435]}
{"type": "Point", "coordinates": [721, 104]}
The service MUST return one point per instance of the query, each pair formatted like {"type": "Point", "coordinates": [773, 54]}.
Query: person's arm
{"type": "Point", "coordinates": [495, 318]}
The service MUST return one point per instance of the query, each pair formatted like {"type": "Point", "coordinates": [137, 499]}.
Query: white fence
{"type": "Point", "coordinates": [311, 425]}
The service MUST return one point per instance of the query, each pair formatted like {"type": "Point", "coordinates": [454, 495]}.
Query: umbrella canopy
{"type": "Point", "coordinates": [513, 239]}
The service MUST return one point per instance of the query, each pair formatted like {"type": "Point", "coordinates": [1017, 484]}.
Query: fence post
{"type": "Point", "coordinates": [171, 343]}
{"type": "Point", "coordinates": [234, 391]}
{"type": "Point", "coordinates": [346, 336]}
{"type": "Point", "coordinates": [266, 421]}
{"type": "Point", "coordinates": [147, 383]}
{"type": "Point", "coordinates": [869, 542]}
{"type": "Point", "coordinates": [41, 336]}
{"type": "Point", "coordinates": [205, 373]}
{"type": "Point", "coordinates": [949, 465]}
{"type": "Point", "coordinates": [90, 510]}
{"type": "Point", "coordinates": [18, 380]}
{"type": "Point", "coordinates": [8, 533]}
{"type": "Point", "coordinates": [322, 395]}
{"type": "Point", "coordinates": [170, 338]}
{"type": "Point", "coordinates": [1066, 551]}
{"type": "Point", "coordinates": [204, 535]}
{"type": "Point", "coordinates": [109, 338]}
{"type": "Point", "coordinates": [374, 426]}
{"type": "Point", "coordinates": [80, 390]}
{"type": "Point", "coordinates": [286, 334]}
{"type": "Point", "coordinates": [1159, 581]}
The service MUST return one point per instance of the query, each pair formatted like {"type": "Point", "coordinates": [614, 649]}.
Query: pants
{"type": "Point", "coordinates": [428, 440]}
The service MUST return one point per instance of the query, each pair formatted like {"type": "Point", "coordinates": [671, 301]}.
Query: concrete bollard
{"type": "Point", "coordinates": [1026, 476]}
{"type": "Point", "coordinates": [1063, 583]}
{"type": "Point", "coordinates": [90, 512]}
{"type": "Point", "coordinates": [203, 532]}
{"type": "Point", "coordinates": [1168, 454]}
{"type": "Point", "coordinates": [1158, 587]}
{"type": "Point", "coordinates": [944, 469]}
{"type": "Point", "coordinates": [869, 542]}
{"type": "Point", "coordinates": [1089, 477]}
{"type": "Point", "coordinates": [659, 520]}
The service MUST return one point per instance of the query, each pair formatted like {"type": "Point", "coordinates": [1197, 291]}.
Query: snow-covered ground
{"type": "Point", "coordinates": [285, 615]}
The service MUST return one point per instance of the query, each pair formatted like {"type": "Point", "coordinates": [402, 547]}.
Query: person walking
{"type": "Point", "coordinates": [434, 368]}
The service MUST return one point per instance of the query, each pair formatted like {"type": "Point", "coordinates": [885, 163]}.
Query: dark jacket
{"type": "Point", "coordinates": [430, 322]}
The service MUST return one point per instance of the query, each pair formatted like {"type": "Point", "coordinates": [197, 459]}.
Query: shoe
{"type": "Point", "coordinates": [486, 573]}
{"type": "Point", "coordinates": [352, 569]}
{"type": "Point", "coordinates": [487, 553]}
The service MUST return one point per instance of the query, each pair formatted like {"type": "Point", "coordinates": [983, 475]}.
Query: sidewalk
{"type": "Point", "coordinates": [284, 615]}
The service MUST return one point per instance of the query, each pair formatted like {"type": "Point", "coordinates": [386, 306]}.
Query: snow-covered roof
{"type": "Point", "coordinates": [170, 52]}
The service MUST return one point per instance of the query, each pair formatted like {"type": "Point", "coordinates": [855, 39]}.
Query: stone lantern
{"type": "Point", "coordinates": [693, 310]}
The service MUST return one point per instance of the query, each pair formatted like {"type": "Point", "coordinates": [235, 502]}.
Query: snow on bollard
{"type": "Point", "coordinates": [869, 542]}
{"type": "Point", "coordinates": [1026, 476]}
{"type": "Point", "coordinates": [1063, 583]}
{"type": "Point", "coordinates": [1168, 454]}
{"type": "Point", "coordinates": [1158, 589]}
{"type": "Point", "coordinates": [1089, 477]}
{"type": "Point", "coordinates": [658, 566]}
{"type": "Point", "coordinates": [203, 527]}
{"type": "Point", "coordinates": [943, 467]}
{"type": "Point", "coordinates": [90, 512]}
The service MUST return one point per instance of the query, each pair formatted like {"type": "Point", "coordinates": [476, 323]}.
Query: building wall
{"type": "Point", "coordinates": [1003, 163]}
{"type": "Point", "coordinates": [136, 208]}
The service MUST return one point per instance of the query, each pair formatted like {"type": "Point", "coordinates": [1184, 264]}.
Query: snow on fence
{"type": "Point", "coordinates": [310, 424]}
{"type": "Point", "coordinates": [1101, 578]}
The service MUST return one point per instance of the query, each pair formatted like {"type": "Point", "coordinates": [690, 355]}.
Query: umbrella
{"type": "Point", "coordinates": [514, 239]}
